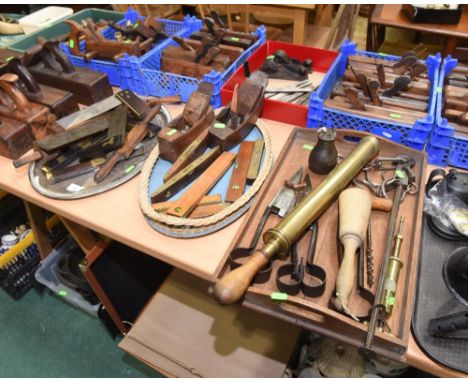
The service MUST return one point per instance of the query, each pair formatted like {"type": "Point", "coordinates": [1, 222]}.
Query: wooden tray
{"type": "Point", "coordinates": [317, 314]}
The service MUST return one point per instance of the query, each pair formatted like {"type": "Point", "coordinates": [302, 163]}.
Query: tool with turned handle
{"type": "Point", "coordinates": [232, 286]}
{"type": "Point", "coordinates": [354, 212]}
{"type": "Point", "coordinates": [133, 138]}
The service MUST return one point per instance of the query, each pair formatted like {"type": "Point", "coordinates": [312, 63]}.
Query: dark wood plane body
{"type": "Point", "coordinates": [197, 117]}
{"type": "Point", "coordinates": [51, 66]}
{"type": "Point", "coordinates": [16, 138]}
{"type": "Point", "coordinates": [249, 107]}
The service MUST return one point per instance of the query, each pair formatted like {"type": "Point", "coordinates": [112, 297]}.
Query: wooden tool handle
{"type": "Point", "coordinates": [169, 99]}
{"type": "Point", "coordinates": [382, 204]}
{"type": "Point", "coordinates": [27, 158]}
{"type": "Point", "coordinates": [107, 167]}
{"type": "Point", "coordinates": [7, 83]}
{"type": "Point", "coordinates": [231, 287]}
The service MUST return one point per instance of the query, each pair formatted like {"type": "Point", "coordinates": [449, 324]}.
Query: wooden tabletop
{"type": "Point", "coordinates": [390, 15]}
{"type": "Point", "coordinates": [116, 214]}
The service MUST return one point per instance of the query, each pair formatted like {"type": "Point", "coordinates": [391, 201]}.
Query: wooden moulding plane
{"type": "Point", "coordinates": [394, 91]}
{"type": "Point", "coordinates": [51, 66]}
{"type": "Point", "coordinates": [196, 58]}
{"type": "Point", "coordinates": [97, 46]}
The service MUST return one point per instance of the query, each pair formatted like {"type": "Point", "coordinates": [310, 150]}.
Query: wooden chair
{"type": "Point", "coordinates": [244, 24]}
{"type": "Point", "coordinates": [330, 37]}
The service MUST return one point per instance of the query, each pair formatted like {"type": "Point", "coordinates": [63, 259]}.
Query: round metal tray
{"type": "Point", "coordinates": [84, 185]}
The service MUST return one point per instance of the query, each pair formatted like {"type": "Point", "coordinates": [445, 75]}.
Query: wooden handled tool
{"type": "Point", "coordinates": [354, 211]}
{"type": "Point", "coordinates": [403, 95]}
{"type": "Point", "coordinates": [133, 138]}
{"type": "Point", "coordinates": [353, 97]}
{"type": "Point", "coordinates": [232, 286]}
{"type": "Point", "coordinates": [400, 84]}
{"type": "Point", "coordinates": [459, 116]}
{"type": "Point", "coordinates": [374, 87]}
{"type": "Point", "coordinates": [362, 80]}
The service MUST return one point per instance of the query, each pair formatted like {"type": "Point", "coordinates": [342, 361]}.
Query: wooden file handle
{"type": "Point", "coordinates": [233, 285]}
{"type": "Point", "coordinates": [381, 204]}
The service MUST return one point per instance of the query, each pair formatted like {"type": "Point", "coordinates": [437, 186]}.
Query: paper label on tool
{"type": "Point", "coordinates": [219, 125]}
{"type": "Point", "coordinates": [308, 147]}
{"type": "Point", "coordinates": [74, 188]}
{"type": "Point", "coordinates": [171, 132]}
{"type": "Point", "coordinates": [71, 43]}
{"type": "Point", "coordinates": [278, 296]}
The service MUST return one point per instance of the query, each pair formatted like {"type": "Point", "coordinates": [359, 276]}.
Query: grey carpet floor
{"type": "Point", "coordinates": [43, 336]}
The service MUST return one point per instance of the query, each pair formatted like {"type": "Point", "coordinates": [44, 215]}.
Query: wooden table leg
{"type": "Point", "coordinates": [300, 25]}
{"type": "Point", "coordinates": [450, 46]}
{"type": "Point", "coordinates": [82, 235]}
{"type": "Point", "coordinates": [36, 217]}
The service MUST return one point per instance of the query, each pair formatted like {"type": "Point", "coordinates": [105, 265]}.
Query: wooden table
{"type": "Point", "coordinates": [297, 12]}
{"type": "Point", "coordinates": [116, 214]}
{"type": "Point", "coordinates": [389, 15]}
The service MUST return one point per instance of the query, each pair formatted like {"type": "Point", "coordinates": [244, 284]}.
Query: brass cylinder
{"type": "Point", "coordinates": [295, 223]}
{"type": "Point", "coordinates": [393, 273]}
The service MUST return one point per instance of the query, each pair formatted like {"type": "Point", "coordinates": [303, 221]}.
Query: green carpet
{"type": "Point", "coordinates": [43, 336]}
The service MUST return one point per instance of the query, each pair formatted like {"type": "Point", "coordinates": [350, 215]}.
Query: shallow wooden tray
{"type": "Point", "coordinates": [317, 314]}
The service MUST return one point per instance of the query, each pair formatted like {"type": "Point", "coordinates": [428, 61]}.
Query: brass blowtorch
{"type": "Point", "coordinates": [279, 239]}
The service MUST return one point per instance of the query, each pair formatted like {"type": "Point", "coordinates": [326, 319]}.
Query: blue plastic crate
{"type": "Point", "coordinates": [446, 146]}
{"type": "Point", "coordinates": [414, 136]}
{"type": "Point", "coordinates": [150, 81]}
{"type": "Point", "coordinates": [130, 65]}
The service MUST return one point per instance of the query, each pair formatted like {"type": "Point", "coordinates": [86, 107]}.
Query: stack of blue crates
{"type": "Point", "coordinates": [118, 72]}
{"type": "Point", "coordinates": [414, 136]}
{"type": "Point", "coordinates": [143, 75]}
{"type": "Point", "coordinates": [446, 146]}
{"type": "Point", "coordinates": [148, 80]}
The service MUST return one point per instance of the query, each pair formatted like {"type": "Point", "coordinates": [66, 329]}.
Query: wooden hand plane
{"type": "Point", "coordinates": [197, 116]}
{"type": "Point", "coordinates": [51, 66]}
{"type": "Point", "coordinates": [148, 28]}
{"type": "Point", "coordinates": [235, 121]}
{"type": "Point", "coordinates": [194, 58]}
{"type": "Point", "coordinates": [232, 125]}
{"type": "Point", "coordinates": [14, 105]}
{"type": "Point", "coordinates": [96, 47]}
{"type": "Point", "coordinates": [238, 39]}
{"type": "Point", "coordinates": [60, 102]}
